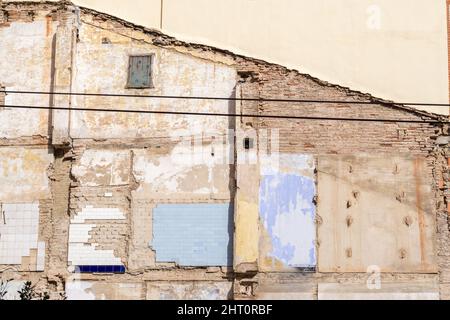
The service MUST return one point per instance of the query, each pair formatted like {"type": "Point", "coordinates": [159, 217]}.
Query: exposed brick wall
{"type": "Point", "coordinates": [329, 136]}
{"type": "Point", "coordinates": [24, 12]}
{"type": "Point", "coordinates": [344, 137]}
{"type": "Point", "coordinates": [108, 234]}
{"type": "Point", "coordinates": [321, 136]}
{"type": "Point", "coordinates": [56, 260]}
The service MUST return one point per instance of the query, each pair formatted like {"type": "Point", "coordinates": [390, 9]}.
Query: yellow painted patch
{"type": "Point", "coordinates": [246, 233]}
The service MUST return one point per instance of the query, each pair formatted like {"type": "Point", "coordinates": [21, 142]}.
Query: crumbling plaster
{"type": "Point", "coordinates": [30, 42]}
{"type": "Point", "coordinates": [23, 173]}
{"type": "Point", "coordinates": [173, 73]}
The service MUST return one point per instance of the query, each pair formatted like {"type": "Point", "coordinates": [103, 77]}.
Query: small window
{"type": "Point", "coordinates": [140, 72]}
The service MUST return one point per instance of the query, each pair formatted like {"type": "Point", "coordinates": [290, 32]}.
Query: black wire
{"type": "Point", "coordinates": [228, 114]}
{"type": "Point", "coordinates": [223, 98]}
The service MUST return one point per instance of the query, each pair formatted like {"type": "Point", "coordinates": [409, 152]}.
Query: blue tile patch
{"type": "Point", "coordinates": [193, 234]}
{"type": "Point", "coordinates": [100, 269]}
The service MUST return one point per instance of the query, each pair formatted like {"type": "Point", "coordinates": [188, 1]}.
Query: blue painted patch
{"type": "Point", "coordinates": [193, 234]}
{"type": "Point", "coordinates": [288, 212]}
{"type": "Point", "coordinates": [101, 269]}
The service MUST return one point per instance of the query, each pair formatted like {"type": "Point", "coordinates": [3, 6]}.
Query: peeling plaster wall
{"type": "Point", "coordinates": [183, 172]}
{"type": "Point", "coordinates": [30, 42]}
{"type": "Point", "coordinates": [26, 159]}
{"type": "Point", "coordinates": [101, 290]}
{"type": "Point", "coordinates": [173, 74]}
{"type": "Point", "coordinates": [188, 290]}
{"type": "Point", "coordinates": [25, 206]}
{"type": "Point", "coordinates": [287, 212]}
{"type": "Point", "coordinates": [375, 212]}
{"type": "Point", "coordinates": [396, 291]}
{"type": "Point", "coordinates": [131, 164]}
{"type": "Point", "coordinates": [23, 174]}
{"type": "Point", "coordinates": [103, 167]}
{"type": "Point", "coordinates": [153, 290]}
{"type": "Point", "coordinates": [380, 218]}
{"type": "Point", "coordinates": [146, 159]}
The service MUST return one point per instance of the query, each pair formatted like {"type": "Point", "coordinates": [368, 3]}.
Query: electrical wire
{"type": "Point", "coordinates": [374, 102]}
{"type": "Point", "coordinates": [228, 114]}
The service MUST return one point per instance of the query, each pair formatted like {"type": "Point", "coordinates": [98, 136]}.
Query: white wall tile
{"type": "Point", "coordinates": [20, 233]}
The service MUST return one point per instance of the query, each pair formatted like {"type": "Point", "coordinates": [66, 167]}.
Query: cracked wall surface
{"type": "Point", "coordinates": [97, 180]}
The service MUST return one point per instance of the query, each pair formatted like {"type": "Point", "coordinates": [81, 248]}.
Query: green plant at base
{"type": "Point", "coordinates": [28, 292]}
{"type": "Point", "coordinates": [4, 288]}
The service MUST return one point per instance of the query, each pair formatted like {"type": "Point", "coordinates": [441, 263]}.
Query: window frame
{"type": "Point", "coordinates": [128, 81]}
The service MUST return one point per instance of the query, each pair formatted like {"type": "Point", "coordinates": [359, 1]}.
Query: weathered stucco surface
{"type": "Point", "coordinates": [103, 168]}
{"type": "Point", "coordinates": [174, 74]}
{"type": "Point", "coordinates": [182, 172]}
{"type": "Point", "coordinates": [362, 198]}
{"type": "Point", "coordinates": [101, 290]}
{"type": "Point", "coordinates": [28, 71]}
{"type": "Point", "coordinates": [397, 291]}
{"type": "Point", "coordinates": [188, 290]}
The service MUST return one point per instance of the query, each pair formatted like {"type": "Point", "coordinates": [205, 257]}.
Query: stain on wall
{"type": "Point", "coordinates": [23, 174]}
{"type": "Point", "coordinates": [103, 167]}
{"type": "Point", "coordinates": [287, 214]}
{"type": "Point", "coordinates": [101, 290]}
{"type": "Point", "coordinates": [375, 210]}
{"type": "Point", "coordinates": [193, 234]}
{"type": "Point", "coordinates": [182, 172]}
{"type": "Point", "coordinates": [188, 290]}
{"type": "Point", "coordinates": [126, 164]}
{"type": "Point", "coordinates": [28, 71]}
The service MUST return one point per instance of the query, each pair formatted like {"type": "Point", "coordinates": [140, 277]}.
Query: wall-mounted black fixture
{"type": "Point", "coordinates": [248, 143]}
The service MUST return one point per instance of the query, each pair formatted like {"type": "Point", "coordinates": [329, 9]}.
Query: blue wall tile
{"type": "Point", "coordinates": [193, 234]}
{"type": "Point", "coordinates": [101, 269]}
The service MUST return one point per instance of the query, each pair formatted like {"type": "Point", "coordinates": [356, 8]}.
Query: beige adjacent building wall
{"type": "Point", "coordinates": [395, 50]}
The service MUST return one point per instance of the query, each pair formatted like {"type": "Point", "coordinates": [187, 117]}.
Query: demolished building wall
{"type": "Point", "coordinates": [118, 192]}
{"type": "Point", "coordinates": [377, 192]}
